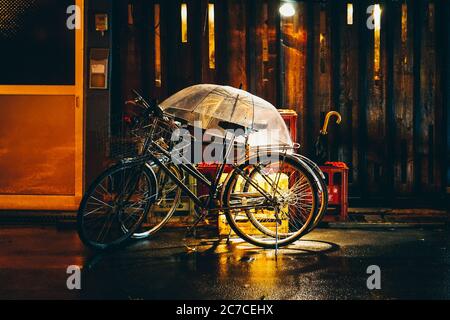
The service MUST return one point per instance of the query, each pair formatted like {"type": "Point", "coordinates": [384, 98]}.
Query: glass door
{"type": "Point", "coordinates": [41, 104]}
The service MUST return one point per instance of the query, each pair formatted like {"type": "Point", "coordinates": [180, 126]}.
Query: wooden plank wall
{"type": "Point", "coordinates": [348, 82]}
{"type": "Point", "coordinates": [393, 134]}
{"type": "Point", "coordinates": [293, 47]}
{"type": "Point", "coordinates": [403, 155]}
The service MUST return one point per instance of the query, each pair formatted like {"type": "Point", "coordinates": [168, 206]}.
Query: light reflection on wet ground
{"type": "Point", "coordinates": [327, 264]}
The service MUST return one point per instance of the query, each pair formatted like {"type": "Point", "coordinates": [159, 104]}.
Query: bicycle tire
{"type": "Point", "coordinates": [231, 182]}
{"type": "Point", "coordinates": [316, 217]}
{"type": "Point", "coordinates": [127, 233]}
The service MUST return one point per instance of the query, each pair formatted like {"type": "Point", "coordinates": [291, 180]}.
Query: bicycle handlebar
{"type": "Point", "coordinates": [151, 108]}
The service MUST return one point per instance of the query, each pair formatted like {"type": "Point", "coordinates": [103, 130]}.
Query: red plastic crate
{"type": "Point", "coordinates": [290, 118]}
{"type": "Point", "coordinates": [337, 176]}
{"type": "Point", "coordinates": [209, 170]}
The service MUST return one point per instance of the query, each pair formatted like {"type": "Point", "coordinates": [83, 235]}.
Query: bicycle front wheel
{"type": "Point", "coordinates": [115, 205]}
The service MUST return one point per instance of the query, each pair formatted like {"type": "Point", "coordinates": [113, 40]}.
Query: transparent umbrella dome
{"type": "Point", "coordinates": [205, 105]}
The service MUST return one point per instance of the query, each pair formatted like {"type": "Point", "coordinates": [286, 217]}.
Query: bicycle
{"type": "Point", "coordinates": [128, 190]}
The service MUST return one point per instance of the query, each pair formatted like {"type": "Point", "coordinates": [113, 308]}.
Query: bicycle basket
{"type": "Point", "coordinates": [121, 140]}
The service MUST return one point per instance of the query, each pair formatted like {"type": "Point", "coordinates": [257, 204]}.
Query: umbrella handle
{"type": "Point", "coordinates": [327, 120]}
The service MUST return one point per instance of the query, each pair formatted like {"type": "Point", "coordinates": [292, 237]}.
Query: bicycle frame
{"type": "Point", "coordinates": [191, 170]}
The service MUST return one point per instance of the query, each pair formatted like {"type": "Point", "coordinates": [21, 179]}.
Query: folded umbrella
{"type": "Point", "coordinates": [321, 146]}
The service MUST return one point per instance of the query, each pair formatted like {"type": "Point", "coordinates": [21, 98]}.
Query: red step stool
{"type": "Point", "coordinates": [336, 174]}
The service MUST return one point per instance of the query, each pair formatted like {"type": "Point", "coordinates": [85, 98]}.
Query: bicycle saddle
{"type": "Point", "coordinates": [231, 126]}
{"type": "Point", "coordinates": [234, 126]}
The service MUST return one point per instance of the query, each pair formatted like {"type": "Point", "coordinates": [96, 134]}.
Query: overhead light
{"type": "Point", "coordinates": [377, 16]}
{"type": "Point", "coordinates": [349, 13]}
{"type": "Point", "coordinates": [287, 10]}
{"type": "Point", "coordinates": [184, 24]}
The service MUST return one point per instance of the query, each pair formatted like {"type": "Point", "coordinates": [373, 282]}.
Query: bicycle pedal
{"type": "Point", "coordinates": [190, 249]}
{"type": "Point", "coordinates": [189, 232]}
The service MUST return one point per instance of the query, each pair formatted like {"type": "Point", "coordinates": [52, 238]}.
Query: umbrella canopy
{"type": "Point", "coordinates": [206, 105]}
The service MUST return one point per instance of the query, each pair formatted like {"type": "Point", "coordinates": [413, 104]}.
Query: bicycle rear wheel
{"type": "Point", "coordinates": [255, 174]}
{"type": "Point", "coordinates": [115, 205]}
{"type": "Point", "coordinates": [323, 201]}
{"type": "Point", "coordinates": [274, 207]}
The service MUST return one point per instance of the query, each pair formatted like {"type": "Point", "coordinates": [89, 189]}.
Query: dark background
{"type": "Point", "coordinates": [35, 50]}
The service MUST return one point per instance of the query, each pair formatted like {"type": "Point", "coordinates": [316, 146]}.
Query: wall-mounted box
{"type": "Point", "coordinates": [101, 22]}
{"type": "Point", "coordinates": [98, 68]}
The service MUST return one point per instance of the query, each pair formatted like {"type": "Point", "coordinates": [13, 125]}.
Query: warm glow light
{"type": "Point", "coordinates": [431, 17]}
{"type": "Point", "coordinates": [157, 46]}
{"type": "Point", "coordinates": [322, 38]}
{"type": "Point", "coordinates": [377, 41]}
{"type": "Point", "coordinates": [377, 16]}
{"type": "Point", "coordinates": [211, 37]}
{"type": "Point", "coordinates": [349, 13]}
{"type": "Point", "coordinates": [265, 36]}
{"type": "Point", "coordinates": [184, 32]}
{"type": "Point", "coordinates": [404, 22]}
{"type": "Point", "coordinates": [287, 10]}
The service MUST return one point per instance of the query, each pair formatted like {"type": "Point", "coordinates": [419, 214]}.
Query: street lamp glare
{"type": "Point", "coordinates": [287, 10]}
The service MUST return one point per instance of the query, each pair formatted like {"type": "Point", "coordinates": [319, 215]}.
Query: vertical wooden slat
{"type": "Point", "coordinates": [439, 137]}
{"type": "Point", "coordinates": [363, 35]}
{"type": "Point", "coordinates": [376, 112]}
{"type": "Point", "coordinates": [209, 75]}
{"type": "Point", "coordinates": [348, 93]}
{"type": "Point", "coordinates": [222, 41]}
{"type": "Point", "coordinates": [445, 10]}
{"type": "Point", "coordinates": [206, 74]}
{"type": "Point", "coordinates": [309, 135]}
{"type": "Point", "coordinates": [118, 54]}
{"type": "Point", "coordinates": [194, 75]}
{"type": "Point", "coordinates": [403, 82]}
{"type": "Point", "coordinates": [390, 20]}
{"type": "Point", "coordinates": [322, 66]}
{"type": "Point", "coordinates": [237, 51]}
{"type": "Point", "coordinates": [418, 17]}
{"type": "Point", "coordinates": [293, 51]}
{"type": "Point", "coordinates": [147, 39]}
{"type": "Point", "coordinates": [426, 146]}
{"type": "Point", "coordinates": [221, 17]}
{"type": "Point", "coordinates": [183, 58]}
{"type": "Point", "coordinates": [251, 42]}
{"type": "Point", "coordinates": [170, 38]}
{"type": "Point", "coordinates": [265, 64]}
{"type": "Point", "coordinates": [132, 50]}
{"type": "Point", "coordinates": [336, 25]}
{"type": "Point", "coordinates": [155, 42]}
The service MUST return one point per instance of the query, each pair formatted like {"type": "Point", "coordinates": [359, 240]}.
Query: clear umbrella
{"type": "Point", "coordinates": [206, 105]}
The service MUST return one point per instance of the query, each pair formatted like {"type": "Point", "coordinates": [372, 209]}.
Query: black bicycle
{"type": "Point", "coordinates": [267, 201]}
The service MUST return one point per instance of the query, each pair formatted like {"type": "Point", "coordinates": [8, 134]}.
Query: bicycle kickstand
{"type": "Point", "coordinates": [277, 222]}
{"type": "Point", "coordinates": [192, 229]}
{"type": "Point", "coordinates": [228, 236]}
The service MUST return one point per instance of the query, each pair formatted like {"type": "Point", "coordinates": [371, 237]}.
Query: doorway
{"type": "Point", "coordinates": [41, 105]}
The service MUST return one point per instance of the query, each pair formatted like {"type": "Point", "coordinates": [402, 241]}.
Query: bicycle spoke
{"type": "Point", "coordinates": [286, 216]}
{"type": "Point", "coordinates": [102, 202]}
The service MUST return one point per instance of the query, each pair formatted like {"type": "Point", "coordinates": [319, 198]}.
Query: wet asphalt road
{"type": "Point", "coordinates": [326, 264]}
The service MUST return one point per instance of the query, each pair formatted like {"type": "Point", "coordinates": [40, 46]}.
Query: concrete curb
{"type": "Point", "coordinates": [358, 218]}
{"type": "Point", "coordinates": [383, 225]}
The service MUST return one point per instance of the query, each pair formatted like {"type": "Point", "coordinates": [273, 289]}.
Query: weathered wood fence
{"type": "Point", "coordinates": [389, 82]}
